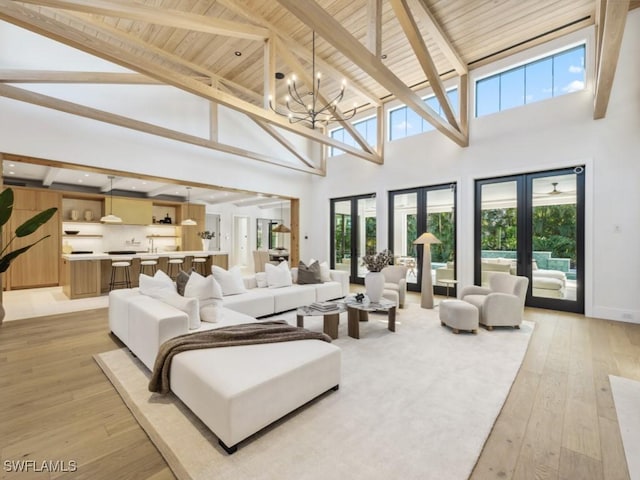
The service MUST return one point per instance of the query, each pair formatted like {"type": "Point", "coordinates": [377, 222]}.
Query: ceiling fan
{"type": "Point", "coordinates": [555, 190]}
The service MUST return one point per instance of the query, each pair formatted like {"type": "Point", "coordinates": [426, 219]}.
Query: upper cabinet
{"type": "Point", "coordinates": [132, 211]}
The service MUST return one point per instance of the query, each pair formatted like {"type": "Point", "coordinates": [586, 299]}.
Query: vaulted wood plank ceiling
{"type": "Point", "coordinates": [222, 43]}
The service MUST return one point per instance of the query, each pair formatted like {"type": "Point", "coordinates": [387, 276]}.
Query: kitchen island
{"type": "Point", "coordinates": [88, 274]}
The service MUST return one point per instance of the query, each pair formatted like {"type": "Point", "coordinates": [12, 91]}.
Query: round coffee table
{"type": "Point", "coordinates": [359, 312]}
{"type": "Point", "coordinates": [331, 317]}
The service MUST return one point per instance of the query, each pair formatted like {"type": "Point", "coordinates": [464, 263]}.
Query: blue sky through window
{"type": "Point", "coordinates": [553, 76]}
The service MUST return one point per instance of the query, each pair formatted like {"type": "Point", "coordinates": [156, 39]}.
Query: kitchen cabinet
{"type": "Point", "coordinates": [80, 279]}
{"type": "Point", "coordinates": [40, 265]}
{"type": "Point", "coordinates": [132, 211]}
{"type": "Point", "coordinates": [190, 238]}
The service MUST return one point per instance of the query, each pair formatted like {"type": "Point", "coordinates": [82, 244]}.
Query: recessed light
{"type": "Point", "coordinates": [237, 53]}
{"type": "Point", "coordinates": [86, 174]}
{"type": "Point", "coordinates": [133, 188]}
{"type": "Point", "coordinates": [144, 183]}
{"type": "Point", "coordinates": [79, 180]}
{"type": "Point", "coordinates": [12, 165]}
{"type": "Point", "coordinates": [12, 173]}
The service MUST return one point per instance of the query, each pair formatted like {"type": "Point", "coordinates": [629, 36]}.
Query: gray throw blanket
{"type": "Point", "coordinates": [245, 334]}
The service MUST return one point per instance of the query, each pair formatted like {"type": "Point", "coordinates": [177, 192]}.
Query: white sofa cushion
{"type": "Point", "coordinates": [230, 280]}
{"type": "Point", "coordinates": [278, 276]}
{"type": "Point", "coordinates": [190, 306]}
{"type": "Point", "coordinates": [256, 302]}
{"type": "Point", "coordinates": [328, 291]}
{"type": "Point", "coordinates": [202, 288]}
{"type": "Point", "coordinates": [157, 286]}
{"type": "Point", "coordinates": [294, 296]}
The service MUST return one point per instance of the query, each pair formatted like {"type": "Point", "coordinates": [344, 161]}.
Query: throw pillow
{"type": "Point", "coordinates": [309, 274]}
{"type": "Point", "coordinates": [157, 286]}
{"type": "Point", "coordinates": [211, 312]}
{"type": "Point", "coordinates": [278, 276]}
{"type": "Point", "coordinates": [230, 280]}
{"type": "Point", "coordinates": [188, 305]}
{"type": "Point", "coordinates": [181, 281]}
{"type": "Point", "coordinates": [201, 287]}
{"type": "Point", "coordinates": [261, 280]}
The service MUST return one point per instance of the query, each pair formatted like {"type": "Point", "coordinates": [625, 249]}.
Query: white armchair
{"type": "Point", "coordinates": [395, 278]}
{"type": "Point", "coordinates": [502, 304]}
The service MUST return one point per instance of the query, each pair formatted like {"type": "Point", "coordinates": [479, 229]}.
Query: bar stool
{"type": "Point", "coordinates": [175, 263]}
{"type": "Point", "coordinates": [150, 263]}
{"type": "Point", "coordinates": [124, 265]}
{"type": "Point", "coordinates": [199, 264]}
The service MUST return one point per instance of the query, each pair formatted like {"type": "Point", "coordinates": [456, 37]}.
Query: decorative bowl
{"type": "Point", "coordinates": [72, 232]}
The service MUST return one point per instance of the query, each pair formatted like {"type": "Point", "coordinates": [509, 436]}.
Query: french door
{"type": "Point", "coordinates": [413, 212]}
{"type": "Point", "coordinates": [533, 225]}
{"type": "Point", "coordinates": [353, 234]}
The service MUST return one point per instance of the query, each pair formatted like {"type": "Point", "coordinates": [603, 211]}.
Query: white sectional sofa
{"type": "Point", "coordinates": [261, 302]}
{"type": "Point", "coordinates": [236, 391]}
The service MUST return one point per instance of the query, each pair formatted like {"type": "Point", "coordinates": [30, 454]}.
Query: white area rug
{"type": "Point", "coordinates": [415, 404]}
{"type": "Point", "coordinates": [626, 396]}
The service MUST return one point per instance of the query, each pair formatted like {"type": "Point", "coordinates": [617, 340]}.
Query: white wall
{"type": "Point", "coordinates": [555, 133]}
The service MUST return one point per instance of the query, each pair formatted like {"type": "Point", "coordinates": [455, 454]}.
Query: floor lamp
{"type": "Point", "coordinates": [426, 239]}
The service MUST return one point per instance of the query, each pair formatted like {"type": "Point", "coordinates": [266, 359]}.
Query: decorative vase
{"type": "Point", "coordinates": [205, 244]}
{"type": "Point", "coordinates": [374, 285]}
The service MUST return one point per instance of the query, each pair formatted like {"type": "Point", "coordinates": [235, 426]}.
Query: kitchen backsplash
{"type": "Point", "coordinates": [97, 237]}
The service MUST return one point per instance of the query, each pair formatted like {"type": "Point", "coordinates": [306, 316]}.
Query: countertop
{"type": "Point", "coordinates": [106, 256]}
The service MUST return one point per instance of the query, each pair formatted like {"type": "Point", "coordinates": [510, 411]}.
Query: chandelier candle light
{"type": "Point", "coordinates": [312, 112]}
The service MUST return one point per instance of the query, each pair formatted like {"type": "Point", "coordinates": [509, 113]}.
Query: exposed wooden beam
{"type": "Point", "coordinates": [333, 32]}
{"type": "Point", "coordinates": [463, 103]}
{"type": "Point", "coordinates": [161, 190]}
{"type": "Point", "coordinates": [159, 16]}
{"type": "Point", "coordinates": [615, 18]}
{"type": "Point", "coordinates": [412, 32]}
{"type": "Point", "coordinates": [269, 82]}
{"type": "Point", "coordinates": [246, 9]}
{"type": "Point", "coordinates": [282, 140]}
{"type": "Point", "coordinates": [135, 44]}
{"type": "Point", "coordinates": [423, 14]}
{"type": "Point", "coordinates": [60, 76]}
{"type": "Point", "coordinates": [107, 117]}
{"type": "Point", "coordinates": [50, 176]}
{"type": "Point", "coordinates": [213, 122]}
{"type": "Point", "coordinates": [374, 27]}
{"type": "Point", "coordinates": [232, 197]}
{"type": "Point", "coordinates": [43, 25]}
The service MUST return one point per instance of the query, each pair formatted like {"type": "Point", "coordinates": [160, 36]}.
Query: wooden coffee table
{"type": "Point", "coordinates": [331, 318]}
{"type": "Point", "coordinates": [359, 312]}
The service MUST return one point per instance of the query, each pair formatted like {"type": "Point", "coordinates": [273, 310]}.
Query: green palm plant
{"type": "Point", "coordinates": [27, 228]}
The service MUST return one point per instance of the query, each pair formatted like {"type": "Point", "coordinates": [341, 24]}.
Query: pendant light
{"type": "Point", "coordinates": [111, 218]}
{"type": "Point", "coordinates": [189, 221]}
{"type": "Point", "coordinates": [281, 228]}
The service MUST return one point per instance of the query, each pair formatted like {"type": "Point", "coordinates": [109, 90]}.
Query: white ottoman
{"type": "Point", "coordinates": [459, 315]}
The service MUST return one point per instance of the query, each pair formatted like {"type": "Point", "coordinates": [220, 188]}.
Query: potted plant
{"type": "Point", "coordinates": [27, 228]}
{"type": "Point", "coordinates": [205, 237]}
{"type": "Point", "coordinates": [374, 280]}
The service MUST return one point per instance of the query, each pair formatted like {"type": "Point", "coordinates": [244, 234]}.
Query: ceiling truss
{"type": "Point", "coordinates": [81, 24]}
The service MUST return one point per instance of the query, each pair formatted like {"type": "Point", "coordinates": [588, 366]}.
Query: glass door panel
{"type": "Point", "coordinates": [342, 235]}
{"type": "Point", "coordinates": [367, 231]}
{"type": "Point", "coordinates": [498, 229]}
{"type": "Point", "coordinates": [405, 231]}
{"type": "Point", "coordinates": [554, 228]}
{"type": "Point", "coordinates": [440, 214]}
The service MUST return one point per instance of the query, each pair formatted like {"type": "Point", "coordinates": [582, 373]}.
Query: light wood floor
{"type": "Point", "coordinates": [559, 421]}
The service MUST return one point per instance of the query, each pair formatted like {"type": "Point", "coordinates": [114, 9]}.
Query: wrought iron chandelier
{"type": "Point", "coordinates": [312, 111]}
